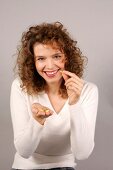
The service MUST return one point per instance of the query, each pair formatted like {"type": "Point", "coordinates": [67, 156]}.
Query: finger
{"type": "Point", "coordinates": [75, 91]}
{"type": "Point", "coordinates": [69, 74]}
{"type": "Point", "coordinates": [79, 86]}
{"type": "Point", "coordinates": [45, 115]}
{"type": "Point", "coordinates": [72, 84]}
{"type": "Point", "coordinates": [36, 105]}
{"type": "Point", "coordinates": [65, 77]}
{"type": "Point", "coordinates": [40, 113]}
{"type": "Point", "coordinates": [73, 80]}
{"type": "Point", "coordinates": [45, 111]}
{"type": "Point", "coordinates": [34, 110]}
{"type": "Point", "coordinates": [48, 112]}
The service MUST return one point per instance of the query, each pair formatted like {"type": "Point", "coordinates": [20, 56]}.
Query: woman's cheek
{"type": "Point", "coordinates": [39, 66]}
{"type": "Point", "coordinates": [62, 63]}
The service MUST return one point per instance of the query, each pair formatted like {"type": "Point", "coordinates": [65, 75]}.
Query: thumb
{"type": "Point", "coordinates": [65, 77]}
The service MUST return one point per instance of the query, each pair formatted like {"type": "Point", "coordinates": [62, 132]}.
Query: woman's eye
{"type": "Point", "coordinates": [57, 56]}
{"type": "Point", "coordinates": [40, 59]}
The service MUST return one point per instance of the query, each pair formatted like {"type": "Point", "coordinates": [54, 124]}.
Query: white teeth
{"type": "Point", "coordinates": [51, 73]}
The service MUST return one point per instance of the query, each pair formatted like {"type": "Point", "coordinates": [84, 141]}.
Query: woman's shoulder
{"type": "Point", "coordinates": [17, 85]}
{"type": "Point", "coordinates": [90, 85]}
{"type": "Point", "coordinates": [16, 82]}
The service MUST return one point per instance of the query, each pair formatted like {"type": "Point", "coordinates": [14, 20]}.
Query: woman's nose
{"type": "Point", "coordinates": [49, 64]}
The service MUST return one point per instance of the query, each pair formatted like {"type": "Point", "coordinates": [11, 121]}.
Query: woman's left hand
{"type": "Point", "coordinates": [74, 86]}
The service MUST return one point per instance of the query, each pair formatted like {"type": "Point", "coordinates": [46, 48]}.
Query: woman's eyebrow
{"type": "Point", "coordinates": [37, 56]}
{"type": "Point", "coordinates": [57, 53]}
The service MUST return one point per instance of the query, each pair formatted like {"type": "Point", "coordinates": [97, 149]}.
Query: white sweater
{"type": "Point", "coordinates": [64, 137]}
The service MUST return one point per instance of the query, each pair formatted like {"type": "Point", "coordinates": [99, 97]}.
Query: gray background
{"type": "Point", "coordinates": [91, 23]}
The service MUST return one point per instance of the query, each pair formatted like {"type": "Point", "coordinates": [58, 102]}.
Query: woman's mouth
{"type": "Point", "coordinates": [51, 74]}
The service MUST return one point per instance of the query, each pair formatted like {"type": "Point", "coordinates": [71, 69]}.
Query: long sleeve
{"type": "Point", "coordinates": [83, 120]}
{"type": "Point", "coordinates": [27, 131]}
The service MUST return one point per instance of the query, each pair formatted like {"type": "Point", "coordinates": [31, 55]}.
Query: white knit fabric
{"type": "Point", "coordinates": [65, 137]}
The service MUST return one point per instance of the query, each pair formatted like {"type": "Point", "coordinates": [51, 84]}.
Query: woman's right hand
{"type": "Point", "coordinates": [40, 112]}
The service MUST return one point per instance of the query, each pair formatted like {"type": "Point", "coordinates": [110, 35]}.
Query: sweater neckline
{"type": "Point", "coordinates": [61, 110]}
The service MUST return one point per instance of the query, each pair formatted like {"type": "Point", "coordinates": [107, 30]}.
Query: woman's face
{"type": "Point", "coordinates": [49, 62]}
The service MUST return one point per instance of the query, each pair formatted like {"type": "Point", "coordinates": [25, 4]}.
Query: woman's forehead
{"type": "Point", "coordinates": [53, 45]}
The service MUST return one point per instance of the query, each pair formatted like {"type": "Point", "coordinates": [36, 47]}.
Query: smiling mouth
{"type": "Point", "coordinates": [51, 73]}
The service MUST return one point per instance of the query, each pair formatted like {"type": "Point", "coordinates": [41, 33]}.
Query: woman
{"type": "Point", "coordinates": [53, 109]}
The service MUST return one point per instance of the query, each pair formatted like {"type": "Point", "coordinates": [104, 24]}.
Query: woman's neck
{"type": "Point", "coordinates": [53, 88]}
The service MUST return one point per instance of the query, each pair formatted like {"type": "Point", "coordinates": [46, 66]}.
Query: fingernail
{"type": "Point", "coordinates": [34, 110]}
{"type": "Point", "coordinates": [61, 71]}
{"type": "Point", "coordinates": [47, 110]}
{"type": "Point", "coordinates": [41, 110]}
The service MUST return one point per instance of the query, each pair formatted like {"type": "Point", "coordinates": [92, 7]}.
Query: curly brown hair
{"type": "Point", "coordinates": [47, 33]}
